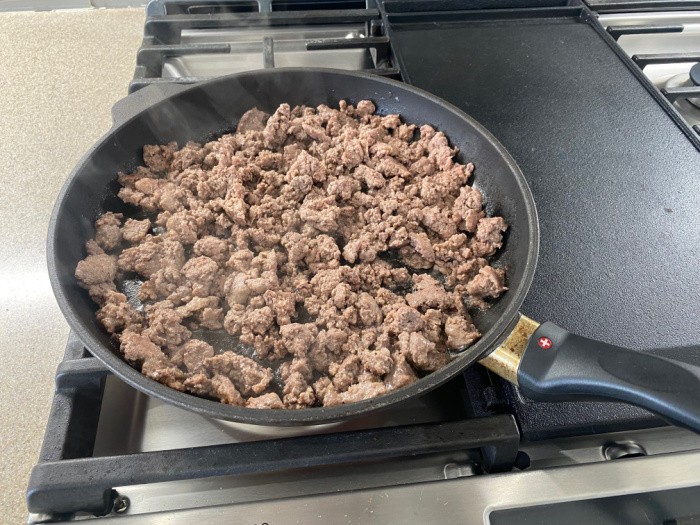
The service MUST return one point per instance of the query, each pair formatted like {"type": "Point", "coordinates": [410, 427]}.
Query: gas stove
{"type": "Point", "coordinates": [597, 103]}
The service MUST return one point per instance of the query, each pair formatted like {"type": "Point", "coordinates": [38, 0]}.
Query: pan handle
{"type": "Point", "coordinates": [559, 366]}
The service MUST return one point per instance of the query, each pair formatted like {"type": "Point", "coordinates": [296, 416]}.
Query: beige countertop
{"type": "Point", "coordinates": [60, 73]}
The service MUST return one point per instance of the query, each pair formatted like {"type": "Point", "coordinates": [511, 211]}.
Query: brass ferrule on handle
{"type": "Point", "coordinates": [505, 360]}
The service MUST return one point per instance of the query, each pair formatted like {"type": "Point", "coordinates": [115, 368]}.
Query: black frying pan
{"type": "Point", "coordinates": [546, 361]}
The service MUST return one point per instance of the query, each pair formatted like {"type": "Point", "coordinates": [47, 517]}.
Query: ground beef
{"type": "Point", "coordinates": [140, 350]}
{"type": "Point", "coordinates": [117, 314]}
{"type": "Point", "coordinates": [357, 392]}
{"type": "Point", "coordinates": [248, 376]}
{"type": "Point", "coordinates": [331, 254]}
{"type": "Point", "coordinates": [269, 400]}
{"type": "Point", "coordinates": [154, 254]}
{"type": "Point", "coordinates": [429, 293]}
{"type": "Point", "coordinates": [378, 362]}
{"type": "Point", "coordinates": [108, 233]}
{"type": "Point", "coordinates": [401, 373]}
{"type": "Point", "coordinates": [194, 354]}
{"type": "Point", "coordinates": [423, 353]}
{"type": "Point", "coordinates": [96, 270]}
{"type": "Point", "coordinates": [212, 247]}
{"type": "Point", "coordinates": [165, 325]}
{"type": "Point", "coordinates": [298, 338]}
{"type": "Point", "coordinates": [135, 231]}
{"type": "Point", "coordinates": [253, 120]}
{"type": "Point", "coordinates": [487, 283]}
{"type": "Point", "coordinates": [217, 386]}
{"type": "Point", "coordinates": [460, 332]}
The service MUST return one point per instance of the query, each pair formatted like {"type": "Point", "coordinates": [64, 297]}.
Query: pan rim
{"type": "Point", "coordinates": [316, 415]}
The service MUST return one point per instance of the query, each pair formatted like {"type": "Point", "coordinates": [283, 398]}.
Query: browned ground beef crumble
{"type": "Point", "coordinates": [338, 250]}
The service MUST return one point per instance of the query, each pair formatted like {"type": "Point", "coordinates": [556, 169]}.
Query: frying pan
{"type": "Point", "coordinates": [546, 362]}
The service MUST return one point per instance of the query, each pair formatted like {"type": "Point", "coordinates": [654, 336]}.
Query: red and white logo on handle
{"type": "Point", "coordinates": [545, 342]}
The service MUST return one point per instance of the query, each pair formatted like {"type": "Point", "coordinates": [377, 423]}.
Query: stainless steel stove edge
{"type": "Point", "coordinates": [467, 501]}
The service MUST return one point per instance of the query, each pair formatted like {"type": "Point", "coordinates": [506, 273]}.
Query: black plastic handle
{"type": "Point", "coordinates": [559, 366]}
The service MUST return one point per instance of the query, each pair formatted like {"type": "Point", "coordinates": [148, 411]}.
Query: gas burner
{"type": "Point", "coordinates": [695, 74]}
{"type": "Point", "coordinates": [690, 79]}
{"type": "Point", "coordinates": [694, 77]}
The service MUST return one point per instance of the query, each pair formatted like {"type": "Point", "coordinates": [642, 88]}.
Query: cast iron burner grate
{"type": "Point", "coordinates": [168, 19]}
